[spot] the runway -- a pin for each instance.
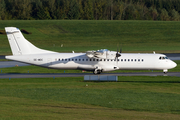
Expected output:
(57, 75)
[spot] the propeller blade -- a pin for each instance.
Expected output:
(118, 54)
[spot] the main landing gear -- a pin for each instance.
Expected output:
(97, 71)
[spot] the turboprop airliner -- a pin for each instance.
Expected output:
(97, 61)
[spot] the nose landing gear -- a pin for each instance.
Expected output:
(165, 71)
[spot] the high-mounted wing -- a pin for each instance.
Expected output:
(102, 54)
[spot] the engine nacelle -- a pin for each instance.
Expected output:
(103, 54)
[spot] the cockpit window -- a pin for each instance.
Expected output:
(163, 57)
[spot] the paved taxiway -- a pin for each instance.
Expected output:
(5, 64)
(55, 75)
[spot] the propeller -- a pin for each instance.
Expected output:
(118, 54)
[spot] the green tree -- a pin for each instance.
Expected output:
(122, 8)
(111, 10)
(43, 13)
(153, 13)
(26, 9)
(81, 9)
(174, 15)
(164, 15)
(21, 9)
(142, 10)
(36, 6)
(2, 10)
(52, 8)
(88, 10)
(65, 9)
(74, 10)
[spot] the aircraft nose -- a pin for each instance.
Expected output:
(173, 64)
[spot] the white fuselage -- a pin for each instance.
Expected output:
(81, 61)
(96, 61)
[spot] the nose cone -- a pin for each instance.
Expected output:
(173, 64)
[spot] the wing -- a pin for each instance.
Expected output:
(102, 54)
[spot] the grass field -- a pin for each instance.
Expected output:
(71, 98)
(81, 35)
(136, 98)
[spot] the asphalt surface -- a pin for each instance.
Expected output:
(57, 75)
(2, 57)
(6, 64)
(172, 54)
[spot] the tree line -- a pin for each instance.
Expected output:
(167, 10)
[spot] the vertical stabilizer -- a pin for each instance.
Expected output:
(19, 45)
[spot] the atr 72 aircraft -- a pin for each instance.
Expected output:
(97, 61)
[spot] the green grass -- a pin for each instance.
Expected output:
(71, 98)
(82, 35)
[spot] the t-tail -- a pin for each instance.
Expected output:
(19, 45)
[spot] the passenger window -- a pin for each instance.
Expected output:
(135, 60)
(124, 59)
(62, 59)
(128, 60)
(97, 59)
(93, 59)
(121, 59)
(86, 59)
(142, 60)
(131, 59)
(104, 59)
(75, 59)
(72, 59)
(139, 60)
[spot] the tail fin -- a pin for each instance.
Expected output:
(19, 45)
